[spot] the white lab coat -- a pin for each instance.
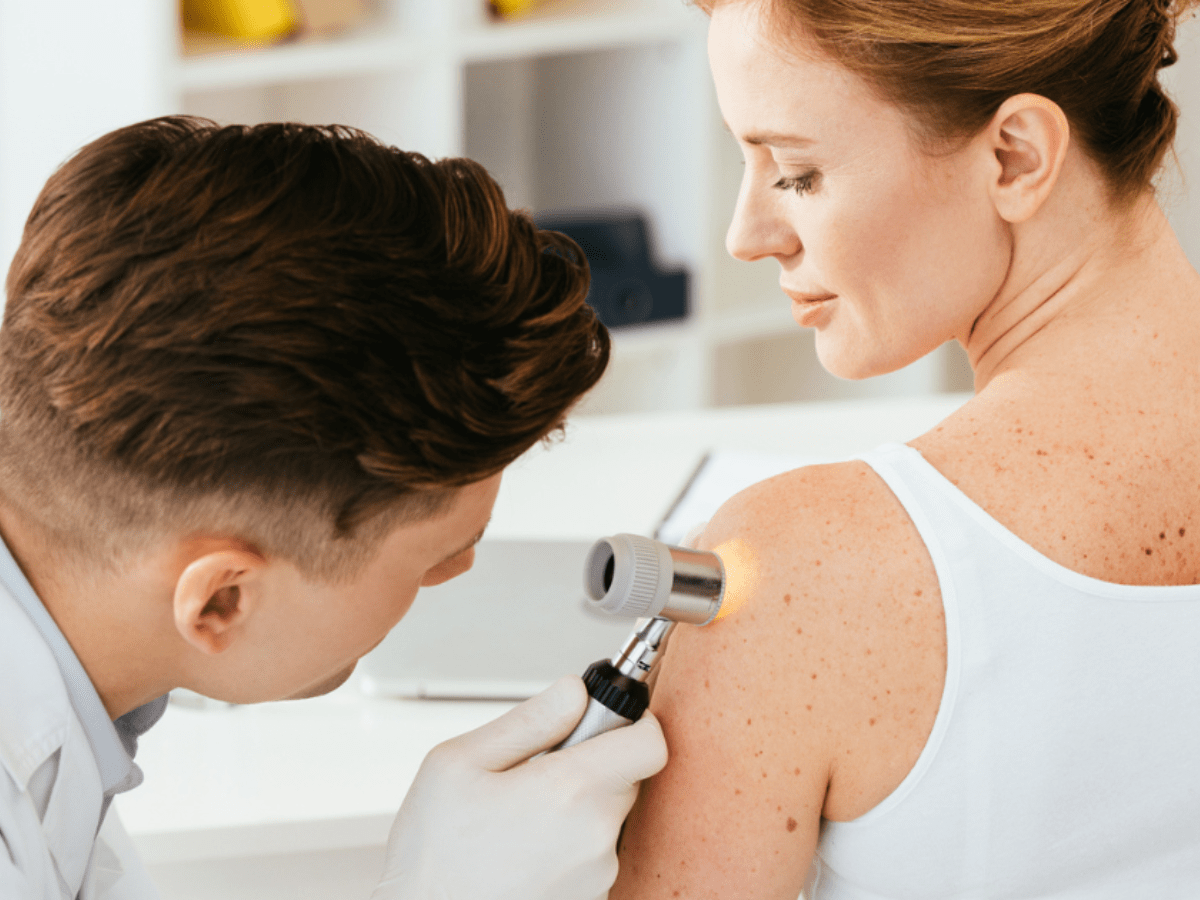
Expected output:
(58, 856)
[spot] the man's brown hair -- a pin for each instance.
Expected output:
(280, 330)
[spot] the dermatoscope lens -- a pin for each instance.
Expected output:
(633, 576)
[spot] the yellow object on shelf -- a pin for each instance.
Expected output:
(510, 9)
(248, 20)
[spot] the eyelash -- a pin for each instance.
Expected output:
(800, 184)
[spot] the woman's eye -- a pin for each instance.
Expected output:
(801, 184)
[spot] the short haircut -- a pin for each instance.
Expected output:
(291, 333)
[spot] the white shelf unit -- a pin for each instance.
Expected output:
(587, 104)
(584, 105)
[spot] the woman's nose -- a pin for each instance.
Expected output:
(759, 229)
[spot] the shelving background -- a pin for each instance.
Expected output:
(587, 104)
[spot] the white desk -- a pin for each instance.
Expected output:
(294, 800)
(620, 473)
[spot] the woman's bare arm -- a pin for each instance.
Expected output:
(816, 697)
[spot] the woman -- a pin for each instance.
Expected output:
(968, 668)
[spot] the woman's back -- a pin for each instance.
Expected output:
(1062, 759)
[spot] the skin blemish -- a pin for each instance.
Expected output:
(791, 824)
(1162, 535)
(871, 722)
(1182, 532)
(1148, 551)
(787, 598)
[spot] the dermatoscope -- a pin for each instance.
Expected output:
(661, 585)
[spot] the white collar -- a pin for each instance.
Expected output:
(113, 744)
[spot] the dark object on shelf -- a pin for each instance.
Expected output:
(627, 287)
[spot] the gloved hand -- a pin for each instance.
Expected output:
(484, 820)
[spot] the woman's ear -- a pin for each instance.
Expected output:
(214, 596)
(1028, 136)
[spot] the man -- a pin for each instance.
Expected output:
(257, 386)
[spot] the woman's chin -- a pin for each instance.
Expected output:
(846, 366)
(856, 363)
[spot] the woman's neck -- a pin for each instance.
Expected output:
(1081, 269)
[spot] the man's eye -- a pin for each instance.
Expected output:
(801, 184)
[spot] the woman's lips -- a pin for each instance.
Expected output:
(808, 309)
(803, 298)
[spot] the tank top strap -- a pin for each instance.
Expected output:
(941, 513)
(921, 491)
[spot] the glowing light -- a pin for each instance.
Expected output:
(741, 575)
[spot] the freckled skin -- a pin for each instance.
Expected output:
(864, 717)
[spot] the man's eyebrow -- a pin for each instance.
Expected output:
(774, 139)
(471, 543)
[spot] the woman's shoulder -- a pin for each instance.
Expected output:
(845, 595)
(814, 698)
(831, 529)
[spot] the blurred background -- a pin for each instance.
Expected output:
(597, 115)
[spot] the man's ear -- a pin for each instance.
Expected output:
(214, 596)
(1029, 136)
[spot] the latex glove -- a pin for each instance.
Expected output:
(485, 820)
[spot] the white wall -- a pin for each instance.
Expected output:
(71, 70)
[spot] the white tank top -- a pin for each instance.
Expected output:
(1064, 761)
